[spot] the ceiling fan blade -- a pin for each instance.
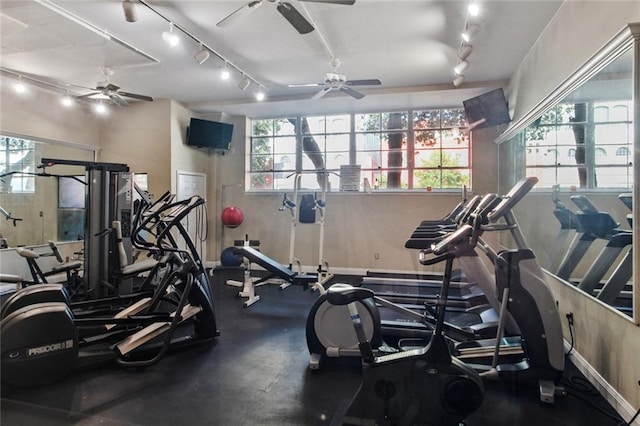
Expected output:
(353, 93)
(306, 85)
(239, 13)
(136, 96)
(295, 18)
(118, 100)
(345, 2)
(88, 95)
(322, 93)
(370, 82)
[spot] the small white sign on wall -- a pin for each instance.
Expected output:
(190, 184)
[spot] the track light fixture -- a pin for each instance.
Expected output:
(470, 32)
(19, 86)
(473, 9)
(170, 37)
(260, 95)
(201, 55)
(244, 83)
(465, 51)
(129, 9)
(225, 74)
(67, 100)
(459, 69)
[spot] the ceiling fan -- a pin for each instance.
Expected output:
(108, 91)
(335, 81)
(286, 9)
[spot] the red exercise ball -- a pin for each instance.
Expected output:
(232, 217)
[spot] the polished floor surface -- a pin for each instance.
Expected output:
(256, 373)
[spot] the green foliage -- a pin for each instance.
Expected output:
(260, 147)
(539, 129)
(440, 177)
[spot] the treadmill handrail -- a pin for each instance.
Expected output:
(516, 193)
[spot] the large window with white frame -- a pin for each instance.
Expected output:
(403, 150)
(17, 165)
(582, 145)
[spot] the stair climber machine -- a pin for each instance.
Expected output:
(45, 338)
(536, 355)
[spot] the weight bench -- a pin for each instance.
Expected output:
(275, 269)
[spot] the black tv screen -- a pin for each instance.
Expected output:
(209, 134)
(486, 110)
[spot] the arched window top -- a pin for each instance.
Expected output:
(622, 151)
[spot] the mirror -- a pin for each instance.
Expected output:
(40, 205)
(579, 222)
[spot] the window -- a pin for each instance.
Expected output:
(622, 151)
(597, 139)
(395, 150)
(17, 156)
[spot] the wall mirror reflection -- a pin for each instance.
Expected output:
(581, 150)
(40, 205)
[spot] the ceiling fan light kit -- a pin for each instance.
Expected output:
(335, 81)
(107, 91)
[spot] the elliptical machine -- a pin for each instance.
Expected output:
(425, 386)
(42, 342)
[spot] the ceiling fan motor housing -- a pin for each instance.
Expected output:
(333, 78)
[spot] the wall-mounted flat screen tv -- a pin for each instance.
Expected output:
(209, 134)
(486, 110)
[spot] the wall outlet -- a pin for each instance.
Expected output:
(376, 256)
(570, 318)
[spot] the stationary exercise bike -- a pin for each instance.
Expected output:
(425, 386)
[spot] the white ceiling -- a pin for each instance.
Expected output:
(410, 45)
